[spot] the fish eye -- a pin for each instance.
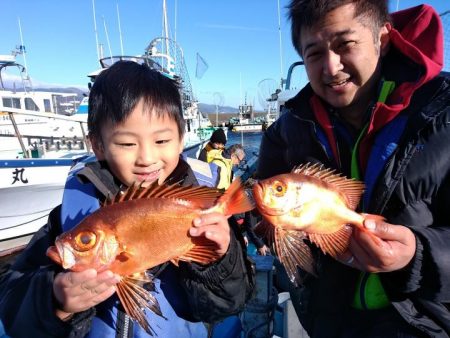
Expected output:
(279, 188)
(85, 240)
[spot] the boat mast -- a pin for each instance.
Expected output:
(107, 37)
(22, 50)
(120, 30)
(281, 49)
(166, 28)
(97, 47)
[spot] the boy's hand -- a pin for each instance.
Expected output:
(397, 249)
(213, 226)
(78, 291)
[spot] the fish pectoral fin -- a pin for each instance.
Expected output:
(203, 252)
(265, 230)
(334, 243)
(293, 252)
(135, 298)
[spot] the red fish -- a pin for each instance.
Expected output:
(310, 203)
(140, 229)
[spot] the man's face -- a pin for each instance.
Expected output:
(342, 59)
(142, 149)
(237, 157)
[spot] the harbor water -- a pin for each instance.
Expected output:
(249, 140)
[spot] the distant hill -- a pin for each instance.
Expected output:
(205, 108)
(211, 108)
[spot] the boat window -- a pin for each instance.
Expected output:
(30, 105)
(47, 106)
(11, 102)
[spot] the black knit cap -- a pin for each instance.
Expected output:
(218, 136)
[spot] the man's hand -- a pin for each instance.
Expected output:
(213, 226)
(395, 250)
(264, 251)
(78, 291)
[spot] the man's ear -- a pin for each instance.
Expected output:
(385, 39)
(97, 147)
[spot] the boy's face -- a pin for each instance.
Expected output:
(143, 148)
(341, 58)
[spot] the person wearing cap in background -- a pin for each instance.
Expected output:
(226, 159)
(214, 147)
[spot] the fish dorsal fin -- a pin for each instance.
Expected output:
(203, 197)
(294, 252)
(350, 188)
(135, 298)
(333, 244)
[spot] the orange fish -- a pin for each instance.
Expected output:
(310, 203)
(140, 229)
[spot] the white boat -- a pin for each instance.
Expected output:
(37, 145)
(245, 121)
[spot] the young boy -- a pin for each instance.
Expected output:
(136, 130)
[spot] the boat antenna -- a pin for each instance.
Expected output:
(107, 37)
(176, 16)
(22, 46)
(22, 50)
(120, 29)
(97, 47)
(281, 45)
(166, 28)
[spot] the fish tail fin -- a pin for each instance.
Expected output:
(134, 296)
(235, 200)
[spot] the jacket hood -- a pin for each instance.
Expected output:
(416, 57)
(418, 34)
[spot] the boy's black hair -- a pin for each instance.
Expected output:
(119, 88)
(305, 13)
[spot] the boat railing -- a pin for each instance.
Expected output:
(14, 112)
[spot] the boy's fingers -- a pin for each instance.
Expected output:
(71, 279)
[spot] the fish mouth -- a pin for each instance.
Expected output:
(53, 254)
(62, 254)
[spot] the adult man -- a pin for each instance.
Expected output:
(375, 109)
(225, 160)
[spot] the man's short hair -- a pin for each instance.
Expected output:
(305, 13)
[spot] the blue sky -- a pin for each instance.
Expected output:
(239, 39)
